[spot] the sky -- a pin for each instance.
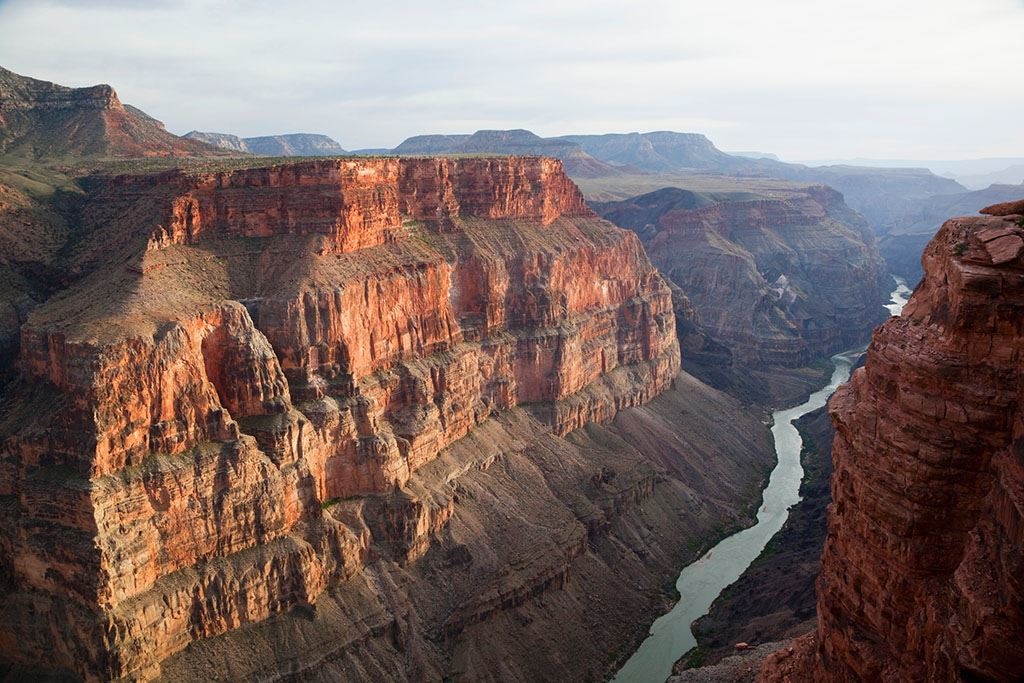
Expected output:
(804, 79)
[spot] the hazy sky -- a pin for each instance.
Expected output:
(801, 78)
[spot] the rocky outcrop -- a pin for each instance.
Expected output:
(776, 280)
(353, 204)
(43, 120)
(551, 563)
(248, 349)
(1012, 208)
(921, 573)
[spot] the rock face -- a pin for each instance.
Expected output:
(248, 349)
(44, 120)
(777, 280)
(546, 556)
(290, 145)
(922, 569)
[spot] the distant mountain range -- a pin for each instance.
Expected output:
(975, 174)
(902, 246)
(591, 155)
(1011, 175)
(290, 145)
(882, 195)
(577, 161)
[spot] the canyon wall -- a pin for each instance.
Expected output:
(225, 415)
(777, 280)
(547, 556)
(922, 568)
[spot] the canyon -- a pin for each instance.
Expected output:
(700, 585)
(774, 599)
(457, 414)
(921, 570)
(378, 413)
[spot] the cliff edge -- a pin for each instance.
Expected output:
(922, 573)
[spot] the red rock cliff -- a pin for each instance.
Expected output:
(923, 570)
(359, 203)
(266, 341)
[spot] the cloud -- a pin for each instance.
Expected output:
(801, 78)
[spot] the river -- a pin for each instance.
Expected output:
(899, 296)
(701, 582)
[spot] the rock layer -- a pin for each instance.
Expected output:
(922, 569)
(551, 562)
(778, 280)
(261, 344)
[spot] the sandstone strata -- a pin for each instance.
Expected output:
(248, 349)
(922, 569)
(549, 567)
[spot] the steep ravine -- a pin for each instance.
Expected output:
(774, 599)
(701, 582)
(778, 280)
